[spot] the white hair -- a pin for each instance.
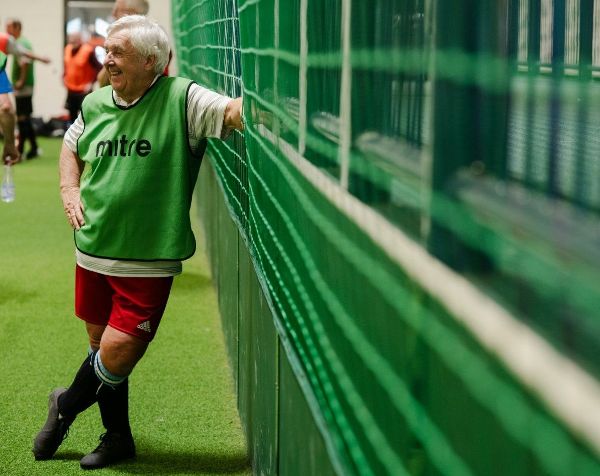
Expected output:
(146, 36)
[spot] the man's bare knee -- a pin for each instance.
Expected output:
(120, 352)
(6, 106)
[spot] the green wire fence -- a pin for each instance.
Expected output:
(418, 187)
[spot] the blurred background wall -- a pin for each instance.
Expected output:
(44, 25)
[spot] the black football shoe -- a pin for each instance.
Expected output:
(54, 431)
(113, 447)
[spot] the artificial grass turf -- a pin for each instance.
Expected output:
(182, 403)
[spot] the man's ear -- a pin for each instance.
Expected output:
(150, 62)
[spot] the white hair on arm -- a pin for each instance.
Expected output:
(146, 36)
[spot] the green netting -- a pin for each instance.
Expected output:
(419, 187)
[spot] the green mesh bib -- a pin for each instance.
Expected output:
(16, 67)
(140, 175)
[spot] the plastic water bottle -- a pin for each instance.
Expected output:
(8, 185)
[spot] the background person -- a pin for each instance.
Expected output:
(23, 81)
(129, 7)
(10, 153)
(80, 70)
(144, 138)
(9, 46)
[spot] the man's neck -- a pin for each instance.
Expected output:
(133, 98)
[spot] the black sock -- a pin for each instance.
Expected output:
(114, 407)
(28, 133)
(22, 135)
(82, 392)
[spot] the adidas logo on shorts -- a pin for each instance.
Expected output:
(145, 326)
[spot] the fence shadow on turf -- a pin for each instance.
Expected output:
(191, 281)
(174, 462)
(15, 293)
(177, 462)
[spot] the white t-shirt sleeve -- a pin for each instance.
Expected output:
(206, 110)
(15, 48)
(73, 133)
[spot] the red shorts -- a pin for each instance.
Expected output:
(131, 305)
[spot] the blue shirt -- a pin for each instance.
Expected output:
(5, 86)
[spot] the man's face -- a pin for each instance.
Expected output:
(128, 72)
(74, 39)
(12, 30)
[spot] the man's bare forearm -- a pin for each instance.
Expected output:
(22, 75)
(34, 57)
(70, 168)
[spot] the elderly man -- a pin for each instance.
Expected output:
(142, 139)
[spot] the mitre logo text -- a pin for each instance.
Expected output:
(123, 147)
